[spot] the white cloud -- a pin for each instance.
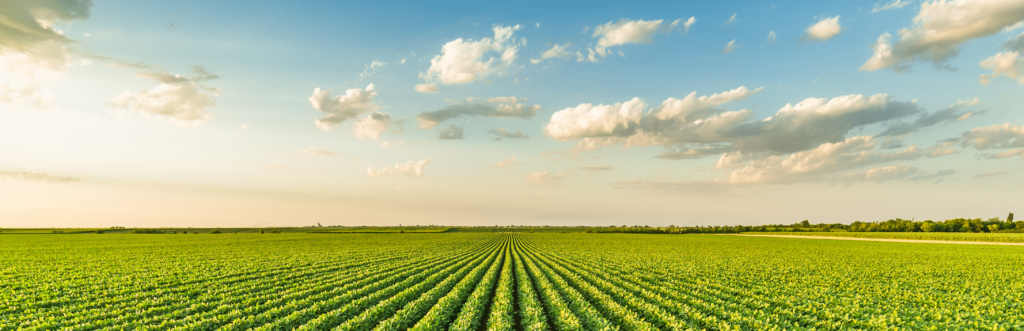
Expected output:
(995, 137)
(181, 99)
(507, 162)
(940, 27)
(695, 127)
(627, 31)
(37, 177)
(729, 47)
(463, 61)
(31, 47)
(689, 22)
(340, 108)
(732, 20)
(372, 69)
(1009, 64)
(372, 125)
(556, 51)
(411, 168)
(894, 4)
(315, 151)
(817, 164)
(501, 107)
(546, 178)
(452, 132)
(27, 94)
(587, 120)
(824, 30)
(426, 88)
(771, 36)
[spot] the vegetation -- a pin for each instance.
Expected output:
(503, 281)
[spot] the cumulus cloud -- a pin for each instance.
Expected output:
(502, 107)
(451, 132)
(372, 125)
(824, 30)
(337, 109)
(939, 29)
(507, 162)
(182, 99)
(812, 165)
(411, 168)
(730, 46)
(315, 151)
(1009, 64)
(998, 136)
(546, 178)
(694, 127)
(894, 4)
(587, 120)
(506, 133)
(37, 176)
(463, 61)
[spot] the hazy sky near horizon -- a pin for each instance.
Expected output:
(258, 113)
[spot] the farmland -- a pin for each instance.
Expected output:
(501, 281)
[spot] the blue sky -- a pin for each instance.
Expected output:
(150, 114)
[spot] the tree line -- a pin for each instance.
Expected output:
(973, 225)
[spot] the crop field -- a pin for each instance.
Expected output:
(502, 281)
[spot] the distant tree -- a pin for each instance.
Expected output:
(261, 231)
(805, 224)
(1009, 218)
(927, 227)
(215, 231)
(993, 228)
(99, 231)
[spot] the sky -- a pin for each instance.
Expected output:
(260, 113)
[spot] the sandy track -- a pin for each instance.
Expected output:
(890, 240)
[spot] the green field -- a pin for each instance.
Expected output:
(504, 281)
(946, 236)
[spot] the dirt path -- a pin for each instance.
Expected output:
(890, 240)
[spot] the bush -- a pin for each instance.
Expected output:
(99, 231)
(261, 231)
(215, 231)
